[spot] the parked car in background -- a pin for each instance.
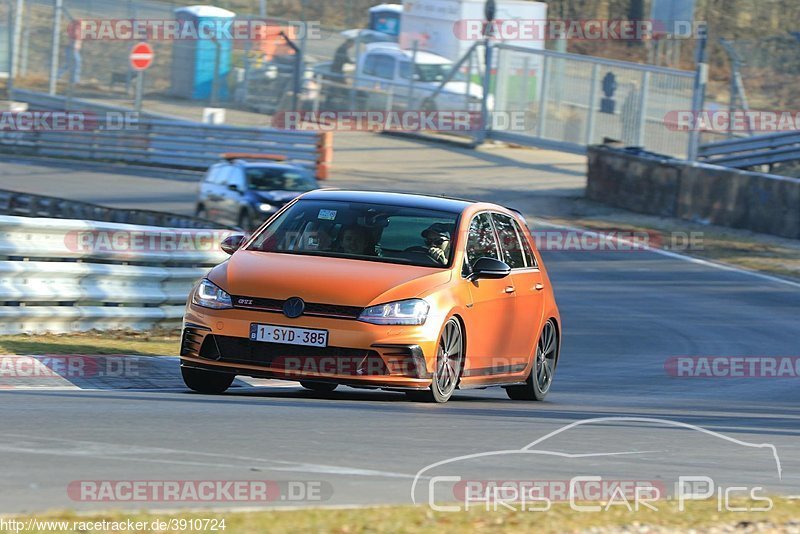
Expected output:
(387, 68)
(244, 190)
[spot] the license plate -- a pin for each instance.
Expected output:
(268, 333)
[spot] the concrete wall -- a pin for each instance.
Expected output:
(695, 192)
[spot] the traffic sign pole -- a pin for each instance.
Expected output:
(141, 58)
(139, 89)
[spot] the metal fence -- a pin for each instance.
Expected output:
(99, 68)
(575, 100)
(565, 97)
(62, 276)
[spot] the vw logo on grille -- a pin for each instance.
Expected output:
(294, 307)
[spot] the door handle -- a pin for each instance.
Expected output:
(510, 289)
(538, 287)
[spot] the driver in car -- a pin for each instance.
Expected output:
(437, 242)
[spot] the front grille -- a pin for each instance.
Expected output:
(313, 309)
(324, 360)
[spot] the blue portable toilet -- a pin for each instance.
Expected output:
(386, 18)
(193, 60)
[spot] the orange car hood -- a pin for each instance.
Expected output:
(323, 280)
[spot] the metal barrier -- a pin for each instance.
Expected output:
(64, 275)
(752, 151)
(28, 205)
(120, 136)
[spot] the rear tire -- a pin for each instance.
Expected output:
(207, 382)
(319, 387)
(539, 381)
(449, 362)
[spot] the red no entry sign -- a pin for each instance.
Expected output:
(142, 56)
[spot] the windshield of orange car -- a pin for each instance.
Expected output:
(362, 231)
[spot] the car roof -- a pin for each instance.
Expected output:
(392, 49)
(408, 200)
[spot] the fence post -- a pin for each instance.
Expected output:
(483, 132)
(410, 103)
(643, 109)
(15, 43)
(543, 97)
(55, 51)
(592, 100)
(698, 97)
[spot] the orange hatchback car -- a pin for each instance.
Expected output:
(409, 293)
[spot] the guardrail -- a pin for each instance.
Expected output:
(157, 140)
(753, 151)
(68, 275)
(28, 205)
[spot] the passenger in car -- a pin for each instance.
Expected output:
(356, 240)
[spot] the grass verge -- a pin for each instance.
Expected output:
(158, 343)
(698, 516)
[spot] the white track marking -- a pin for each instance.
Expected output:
(670, 254)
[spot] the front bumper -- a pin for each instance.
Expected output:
(358, 353)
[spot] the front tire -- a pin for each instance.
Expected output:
(319, 387)
(449, 362)
(206, 382)
(539, 381)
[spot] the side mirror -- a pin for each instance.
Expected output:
(489, 269)
(234, 187)
(232, 243)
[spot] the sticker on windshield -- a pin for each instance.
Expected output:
(327, 215)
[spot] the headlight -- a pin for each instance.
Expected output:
(209, 295)
(404, 312)
(266, 208)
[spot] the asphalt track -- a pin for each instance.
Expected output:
(624, 315)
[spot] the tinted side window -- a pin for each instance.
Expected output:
(530, 259)
(221, 177)
(236, 177)
(215, 174)
(369, 65)
(509, 241)
(384, 67)
(481, 242)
